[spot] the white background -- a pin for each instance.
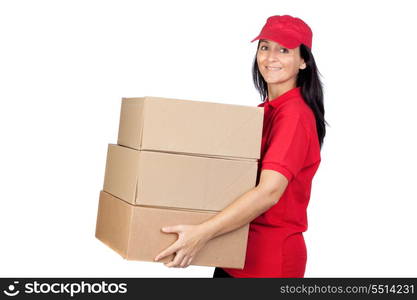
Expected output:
(65, 65)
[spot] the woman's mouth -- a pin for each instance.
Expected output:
(273, 68)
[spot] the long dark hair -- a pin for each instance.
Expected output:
(308, 80)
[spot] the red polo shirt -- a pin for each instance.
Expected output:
(289, 146)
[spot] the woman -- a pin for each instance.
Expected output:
(286, 76)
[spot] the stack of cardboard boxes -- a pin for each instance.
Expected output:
(178, 162)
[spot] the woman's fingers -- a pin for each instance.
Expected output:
(184, 262)
(189, 261)
(171, 249)
(179, 256)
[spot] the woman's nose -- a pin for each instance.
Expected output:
(273, 56)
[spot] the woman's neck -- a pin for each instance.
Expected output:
(276, 90)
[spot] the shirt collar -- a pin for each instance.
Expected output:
(292, 93)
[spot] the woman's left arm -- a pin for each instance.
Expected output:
(192, 238)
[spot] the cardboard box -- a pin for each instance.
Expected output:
(191, 127)
(176, 180)
(135, 233)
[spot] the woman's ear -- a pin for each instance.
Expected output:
(303, 65)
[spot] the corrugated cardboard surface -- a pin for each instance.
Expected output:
(175, 125)
(131, 123)
(176, 180)
(135, 233)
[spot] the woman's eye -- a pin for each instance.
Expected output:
(282, 50)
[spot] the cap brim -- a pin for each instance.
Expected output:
(280, 39)
(257, 38)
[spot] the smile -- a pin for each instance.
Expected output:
(273, 68)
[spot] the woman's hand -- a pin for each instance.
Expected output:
(191, 238)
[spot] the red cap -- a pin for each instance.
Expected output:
(287, 31)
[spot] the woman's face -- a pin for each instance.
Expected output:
(277, 64)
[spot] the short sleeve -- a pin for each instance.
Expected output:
(287, 145)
